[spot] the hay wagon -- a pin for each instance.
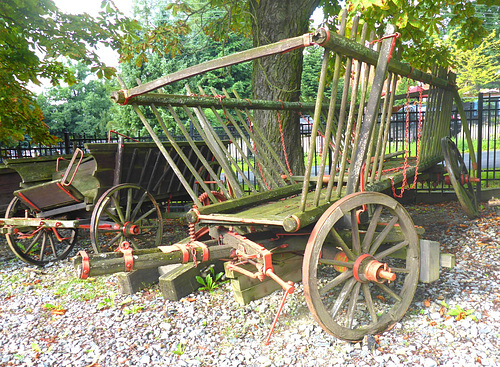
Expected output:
(117, 191)
(357, 247)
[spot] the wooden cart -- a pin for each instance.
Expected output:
(116, 191)
(358, 247)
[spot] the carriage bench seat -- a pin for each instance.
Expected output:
(67, 187)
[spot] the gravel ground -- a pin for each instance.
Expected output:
(49, 318)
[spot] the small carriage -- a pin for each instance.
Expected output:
(117, 191)
(358, 247)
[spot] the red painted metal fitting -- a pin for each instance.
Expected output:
(375, 271)
(127, 255)
(131, 229)
(367, 269)
(85, 265)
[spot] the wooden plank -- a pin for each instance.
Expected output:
(429, 261)
(371, 114)
(245, 201)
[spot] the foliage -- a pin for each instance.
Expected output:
(478, 66)
(34, 35)
(82, 108)
(209, 283)
(179, 349)
(107, 302)
(192, 49)
(419, 25)
(459, 313)
(311, 69)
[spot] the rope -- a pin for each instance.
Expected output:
(394, 37)
(407, 148)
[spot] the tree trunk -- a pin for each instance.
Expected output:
(278, 77)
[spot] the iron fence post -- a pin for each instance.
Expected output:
(479, 143)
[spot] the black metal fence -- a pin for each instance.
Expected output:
(483, 117)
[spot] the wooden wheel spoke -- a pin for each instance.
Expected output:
(382, 235)
(369, 302)
(112, 216)
(145, 215)
(356, 247)
(381, 255)
(114, 239)
(340, 242)
(42, 247)
(118, 209)
(335, 282)
(352, 305)
(129, 204)
(34, 241)
(371, 229)
(389, 291)
(336, 263)
(52, 245)
(134, 244)
(138, 206)
(344, 293)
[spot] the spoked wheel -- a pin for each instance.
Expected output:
(34, 245)
(363, 283)
(126, 212)
(459, 177)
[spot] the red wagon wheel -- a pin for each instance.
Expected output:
(37, 246)
(362, 283)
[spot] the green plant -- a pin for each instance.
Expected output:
(209, 283)
(459, 313)
(180, 349)
(36, 347)
(132, 310)
(107, 302)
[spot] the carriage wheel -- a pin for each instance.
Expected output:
(37, 246)
(459, 177)
(363, 285)
(126, 212)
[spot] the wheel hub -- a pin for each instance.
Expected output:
(131, 229)
(368, 269)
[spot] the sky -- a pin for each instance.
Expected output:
(92, 7)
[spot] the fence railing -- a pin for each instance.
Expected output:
(483, 117)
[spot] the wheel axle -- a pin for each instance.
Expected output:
(368, 269)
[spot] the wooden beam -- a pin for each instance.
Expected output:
(248, 55)
(349, 48)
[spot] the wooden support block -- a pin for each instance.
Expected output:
(246, 289)
(494, 203)
(429, 261)
(178, 281)
(134, 281)
(447, 261)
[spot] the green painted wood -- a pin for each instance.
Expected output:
(347, 47)
(245, 201)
